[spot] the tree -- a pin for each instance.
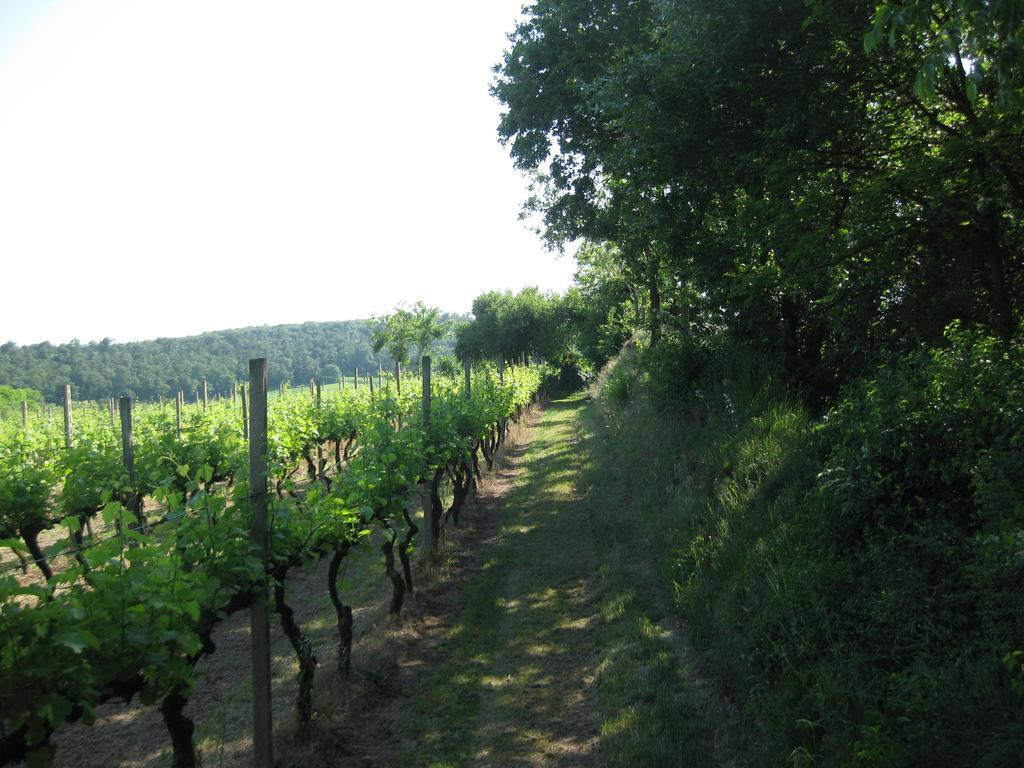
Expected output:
(429, 327)
(394, 334)
(826, 180)
(507, 325)
(331, 372)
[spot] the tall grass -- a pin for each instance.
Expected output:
(864, 606)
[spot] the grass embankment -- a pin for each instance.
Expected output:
(852, 581)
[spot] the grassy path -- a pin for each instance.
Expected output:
(565, 652)
(549, 641)
(517, 686)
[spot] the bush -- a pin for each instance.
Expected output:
(920, 506)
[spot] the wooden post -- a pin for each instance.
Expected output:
(398, 378)
(262, 724)
(234, 393)
(245, 414)
(341, 381)
(426, 392)
(282, 388)
(428, 517)
(501, 370)
(467, 370)
(24, 413)
(178, 402)
(355, 379)
(128, 456)
(67, 415)
(319, 390)
(110, 405)
(312, 389)
(206, 395)
(370, 379)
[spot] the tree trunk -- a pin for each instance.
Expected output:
(303, 651)
(403, 549)
(181, 728)
(30, 535)
(397, 582)
(343, 612)
(653, 266)
(436, 508)
(1005, 323)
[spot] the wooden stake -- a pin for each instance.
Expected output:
(133, 502)
(429, 523)
(398, 377)
(262, 723)
(178, 401)
(24, 413)
(245, 414)
(206, 395)
(67, 415)
(426, 392)
(467, 368)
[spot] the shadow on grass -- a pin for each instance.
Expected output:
(514, 686)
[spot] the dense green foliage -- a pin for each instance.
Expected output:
(855, 581)
(825, 180)
(151, 369)
(858, 592)
(813, 212)
(11, 399)
(404, 332)
(530, 325)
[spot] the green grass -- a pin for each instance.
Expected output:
(659, 709)
(564, 649)
(497, 693)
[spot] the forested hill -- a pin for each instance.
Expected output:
(148, 369)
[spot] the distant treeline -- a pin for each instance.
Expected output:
(151, 369)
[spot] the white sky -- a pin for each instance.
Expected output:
(174, 166)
